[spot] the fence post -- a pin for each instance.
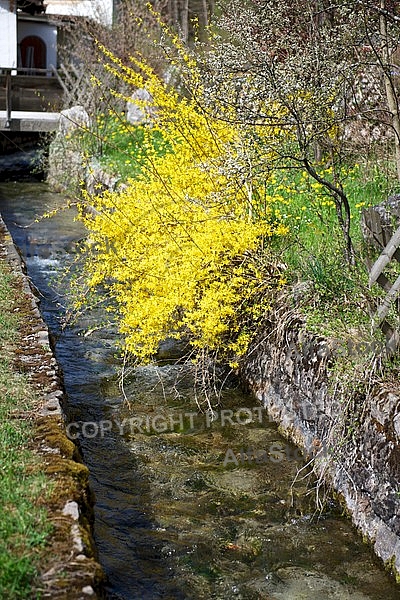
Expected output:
(376, 275)
(8, 98)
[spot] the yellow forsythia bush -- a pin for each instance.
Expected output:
(174, 250)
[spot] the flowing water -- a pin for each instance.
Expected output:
(186, 507)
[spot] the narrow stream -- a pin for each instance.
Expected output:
(186, 507)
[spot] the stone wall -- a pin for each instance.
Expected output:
(68, 170)
(15, 141)
(70, 570)
(351, 438)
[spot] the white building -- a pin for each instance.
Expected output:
(8, 34)
(98, 10)
(36, 43)
(28, 35)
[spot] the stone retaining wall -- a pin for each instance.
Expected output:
(71, 571)
(353, 442)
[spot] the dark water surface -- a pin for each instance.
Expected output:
(186, 507)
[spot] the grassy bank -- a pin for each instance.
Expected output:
(339, 301)
(24, 526)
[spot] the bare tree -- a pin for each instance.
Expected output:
(296, 66)
(385, 55)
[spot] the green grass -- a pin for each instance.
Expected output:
(120, 147)
(308, 210)
(24, 527)
(313, 250)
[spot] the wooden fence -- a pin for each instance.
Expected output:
(377, 232)
(42, 90)
(39, 90)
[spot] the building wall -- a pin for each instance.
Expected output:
(8, 36)
(98, 10)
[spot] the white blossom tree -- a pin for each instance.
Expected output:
(299, 67)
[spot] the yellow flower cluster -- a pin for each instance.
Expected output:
(175, 249)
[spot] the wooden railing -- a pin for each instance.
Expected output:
(378, 234)
(30, 90)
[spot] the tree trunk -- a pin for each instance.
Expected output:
(389, 86)
(174, 12)
(342, 209)
(205, 13)
(185, 21)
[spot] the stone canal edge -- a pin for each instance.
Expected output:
(70, 570)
